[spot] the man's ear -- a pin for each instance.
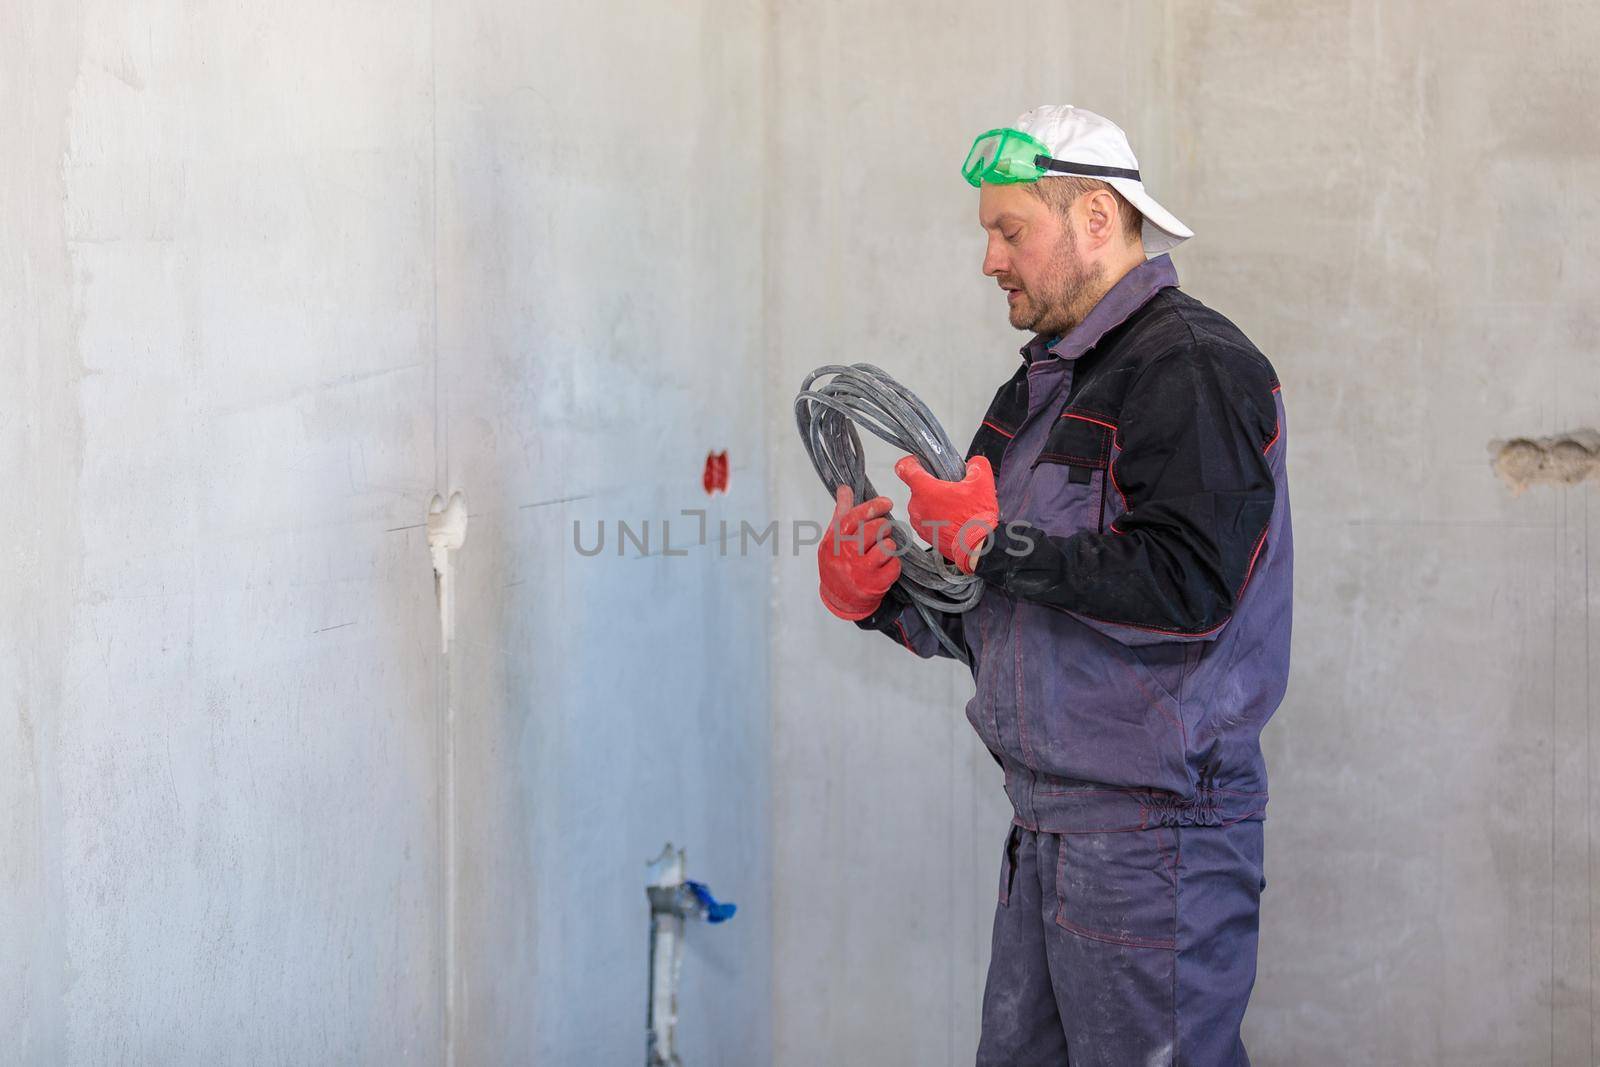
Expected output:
(1100, 222)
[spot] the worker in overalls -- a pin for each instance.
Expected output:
(1126, 505)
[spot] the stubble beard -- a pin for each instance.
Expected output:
(1057, 303)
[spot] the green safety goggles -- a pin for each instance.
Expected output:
(1006, 156)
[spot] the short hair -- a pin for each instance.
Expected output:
(1060, 192)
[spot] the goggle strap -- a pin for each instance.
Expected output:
(1084, 170)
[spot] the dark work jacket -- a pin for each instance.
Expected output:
(1133, 636)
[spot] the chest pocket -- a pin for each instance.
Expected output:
(1068, 488)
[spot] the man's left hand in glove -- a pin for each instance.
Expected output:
(954, 517)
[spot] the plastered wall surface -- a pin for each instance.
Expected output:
(216, 290)
(600, 332)
(1395, 202)
(270, 278)
(1435, 769)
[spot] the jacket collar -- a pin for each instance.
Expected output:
(1130, 294)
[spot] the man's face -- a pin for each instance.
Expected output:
(1033, 254)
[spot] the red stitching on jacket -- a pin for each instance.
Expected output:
(898, 625)
(1111, 469)
(1260, 543)
(1092, 411)
(1152, 629)
(998, 430)
(1277, 428)
(1081, 461)
(1084, 418)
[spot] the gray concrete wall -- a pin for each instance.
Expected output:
(600, 265)
(269, 278)
(1396, 202)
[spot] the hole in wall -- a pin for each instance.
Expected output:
(1565, 459)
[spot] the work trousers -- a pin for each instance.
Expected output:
(1123, 949)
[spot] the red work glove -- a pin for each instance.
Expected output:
(954, 517)
(856, 569)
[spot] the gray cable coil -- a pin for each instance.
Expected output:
(864, 395)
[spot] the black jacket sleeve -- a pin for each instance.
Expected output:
(1194, 431)
(898, 618)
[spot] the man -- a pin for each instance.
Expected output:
(1126, 506)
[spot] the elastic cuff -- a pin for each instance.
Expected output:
(993, 566)
(843, 611)
(888, 613)
(975, 530)
(1000, 556)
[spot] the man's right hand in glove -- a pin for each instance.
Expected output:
(854, 556)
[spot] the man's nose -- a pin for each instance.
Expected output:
(994, 258)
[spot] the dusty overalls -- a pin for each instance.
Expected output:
(1131, 642)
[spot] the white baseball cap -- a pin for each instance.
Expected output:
(1075, 135)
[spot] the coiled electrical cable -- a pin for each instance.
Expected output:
(865, 396)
